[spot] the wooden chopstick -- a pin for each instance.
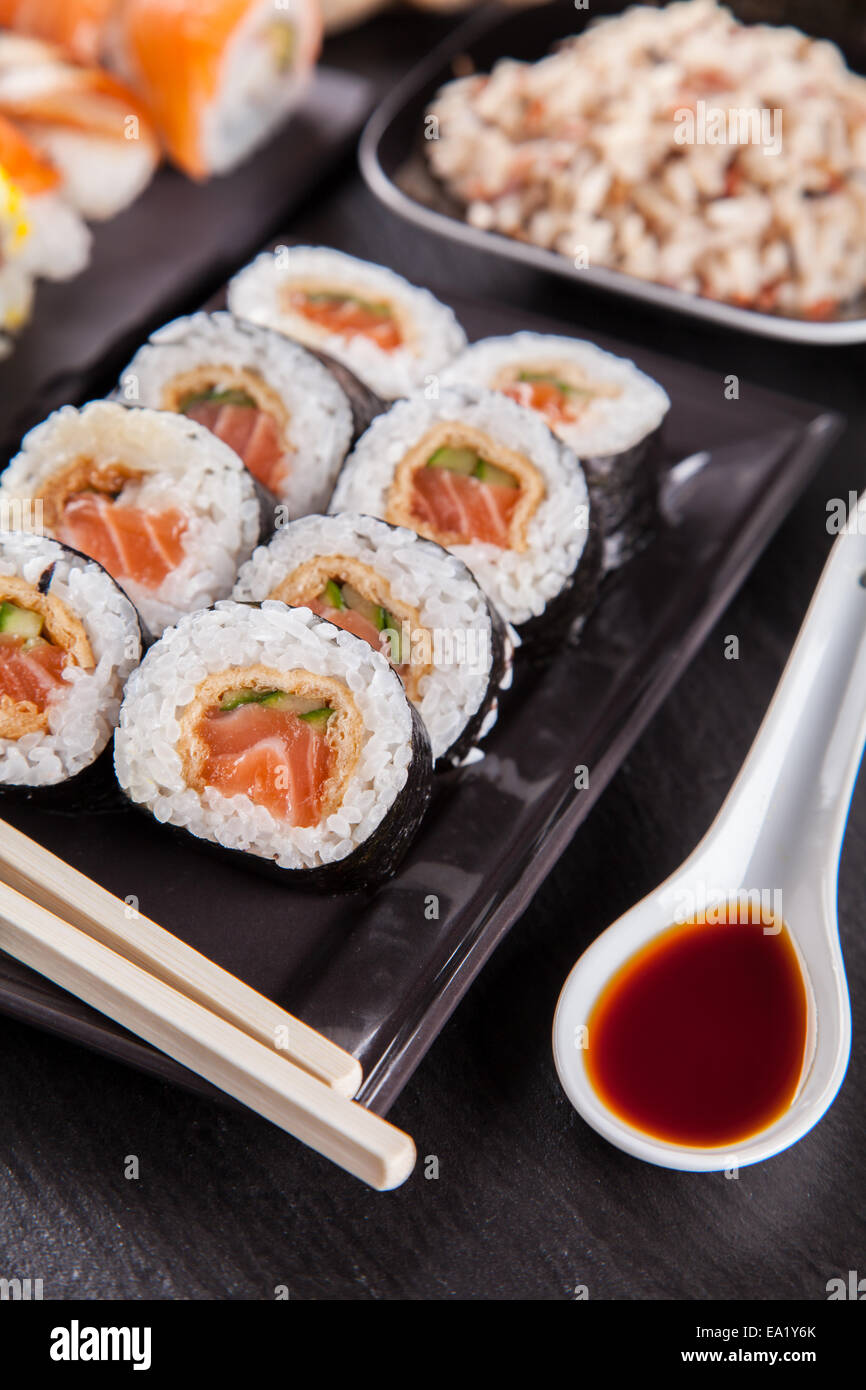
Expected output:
(71, 896)
(352, 1137)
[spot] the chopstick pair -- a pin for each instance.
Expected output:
(63, 925)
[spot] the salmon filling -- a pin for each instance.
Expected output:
(456, 486)
(561, 393)
(39, 637)
(291, 750)
(240, 409)
(351, 594)
(82, 509)
(346, 314)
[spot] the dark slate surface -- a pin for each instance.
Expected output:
(529, 1202)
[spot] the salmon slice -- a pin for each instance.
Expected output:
(546, 397)
(28, 169)
(130, 543)
(274, 757)
(30, 676)
(350, 620)
(349, 317)
(463, 507)
(253, 434)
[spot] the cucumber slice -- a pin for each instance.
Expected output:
(20, 622)
(566, 388)
(489, 473)
(271, 699)
(394, 628)
(380, 309)
(317, 718)
(234, 698)
(214, 396)
(457, 460)
(373, 612)
(333, 595)
(282, 42)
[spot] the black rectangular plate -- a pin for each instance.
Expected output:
(378, 973)
(394, 165)
(166, 253)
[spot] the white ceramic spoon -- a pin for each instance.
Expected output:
(780, 828)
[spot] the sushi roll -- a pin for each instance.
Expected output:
(389, 333)
(69, 637)
(218, 76)
(58, 246)
(272, 733)
(270, 400)
(604, 408)
(163, 505)
(485, 477)
(409, 599)
(85, 122)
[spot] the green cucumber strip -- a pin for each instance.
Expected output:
(317, 718)
(394, 629)
(455, 459)
(20, 622)
(566, 387)
(333, 595)
(281, 37)
(214, 396)
(373, 612)
(379, 308)
(489, 473)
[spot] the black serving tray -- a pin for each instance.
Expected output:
(393, 161)
(166, 253)
(379, 973)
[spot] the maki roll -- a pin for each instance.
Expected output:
(607, 410)
(164, 506)
(69, 638)
(269, 731)
(389, 333)
(218, 76)
(269, 399)
(485, 478)
(409, 599)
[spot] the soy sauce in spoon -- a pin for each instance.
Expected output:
(700, 1037)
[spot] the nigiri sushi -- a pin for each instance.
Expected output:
(59, 243)
(16, 281)
(87, 124)
(78, 26)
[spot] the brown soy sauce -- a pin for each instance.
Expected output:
(699, 1039)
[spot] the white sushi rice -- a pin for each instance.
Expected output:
(421, 574)
(183, 466)
(434, 335)
(149, 767)
(320, 416)
(519, 583)
(608, 424)
(82, 718)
